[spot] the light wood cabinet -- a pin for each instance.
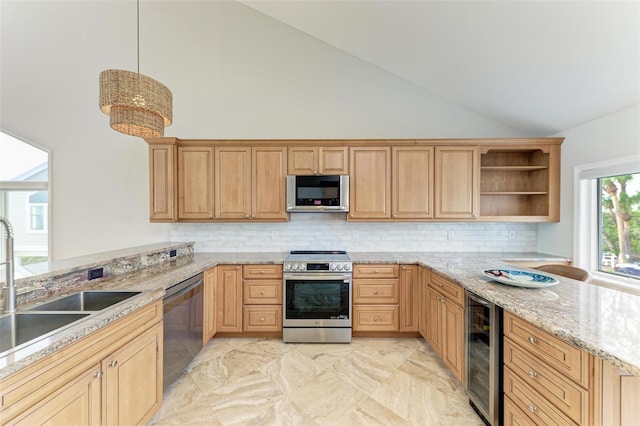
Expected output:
(77, 403)
(409, 298)
(111, 376)
(384, 297)
(262, 300)
(162, 182)
(229, 299)
(370, 183)
(250, 183)
(546, 378)
(423, 295)
(412, 182)
(456, 182)
(133, 380)
(209, 305)
(195, 183)
(233, 183)
(318, 160)
(620, 396)
(445, 328)
(520, 183)
(268, 183)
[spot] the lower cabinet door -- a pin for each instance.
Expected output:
(133, 380)
(513, 416)
(77, 403)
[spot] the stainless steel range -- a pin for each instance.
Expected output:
(317, 297)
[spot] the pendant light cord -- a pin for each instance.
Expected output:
(138, 33)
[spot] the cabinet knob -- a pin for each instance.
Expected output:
(377, 271)
(532, 340)
(532, 408)
(248, 216)
(375, 318)
(97, 374)
(395, 215)
(262, 319)
(375, 291)
(237, 268)
(210, 216)
(475, 216)
(533, 374)
(261, 292)
(113, 363)
(262, 272)
(440, 285)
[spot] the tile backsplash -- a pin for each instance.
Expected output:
(331, 231)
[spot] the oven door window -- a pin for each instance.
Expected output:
(325, 299)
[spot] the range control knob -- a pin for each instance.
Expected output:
(340, 267)
(287, 267)
(332, 266)
(347, 267)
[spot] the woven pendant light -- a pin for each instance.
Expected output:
(137, 105)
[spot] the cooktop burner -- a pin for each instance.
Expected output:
(317, 260)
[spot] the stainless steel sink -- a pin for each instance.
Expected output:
(19, 328)
(86, 301)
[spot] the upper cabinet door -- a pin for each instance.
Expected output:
(412, 182)
(303, 161)
(333, 161)
(268, 183)
(195, 182)
(370, 183)
(233, 183)
(162, 194)
(457, 182)
(318, 161)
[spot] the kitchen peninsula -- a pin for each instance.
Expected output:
(591, 318)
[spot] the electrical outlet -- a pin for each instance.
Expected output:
(95, 273)
(512, 235)
(274, 235)
(172, 253)
(450, 235)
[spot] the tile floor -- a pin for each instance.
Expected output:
(266, 382)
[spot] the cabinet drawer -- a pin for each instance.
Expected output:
(262, 318)
(513, 416)
(567, 396)
(563, 357)
(261, 271)
(262, 292)
(375, 318)
(450, 290)
(529, 401)
(376, 271)
(367, 291)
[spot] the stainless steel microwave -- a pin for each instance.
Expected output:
(318, 193)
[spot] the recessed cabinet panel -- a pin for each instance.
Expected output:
(162, 181)
(412, 182)
(370, 181)
(233, 183)
(195, 182)
(457, 182)
(269, 183)
(334, 161)
(303, 161)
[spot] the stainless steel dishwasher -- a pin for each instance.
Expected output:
(183, 315)
(483, 331)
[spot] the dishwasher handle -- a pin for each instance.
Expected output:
(183, 287)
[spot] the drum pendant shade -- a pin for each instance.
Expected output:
(138, 105)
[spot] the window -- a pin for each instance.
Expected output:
(24, 201)
(619, 225)
(607, 222)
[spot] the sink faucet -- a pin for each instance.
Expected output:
(10, 303)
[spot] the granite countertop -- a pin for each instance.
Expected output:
(601, 321)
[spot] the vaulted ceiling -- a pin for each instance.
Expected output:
(539, 66)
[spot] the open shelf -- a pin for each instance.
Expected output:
(515, 184)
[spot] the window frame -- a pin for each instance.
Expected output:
(586, 210)
(45, 218)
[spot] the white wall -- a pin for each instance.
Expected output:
(234, 73)
(611, 137)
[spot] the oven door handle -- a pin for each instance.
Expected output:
(317, 277)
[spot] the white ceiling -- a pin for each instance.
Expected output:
(539, 66)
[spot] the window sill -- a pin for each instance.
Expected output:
(627, 285)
